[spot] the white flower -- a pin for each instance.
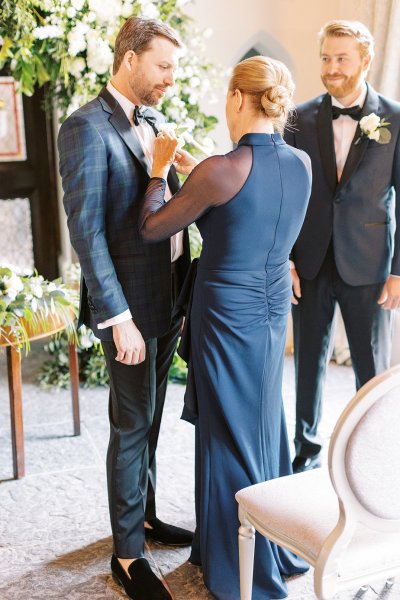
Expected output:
(34, 304)
(99, 54)
(91, 17)
(374, 128)
(150, 10)
(194, 81)
(208, 144)
(12, 285)
(176, 101)
(47, 31)
(106, 10)
(370, 123)
(189, 72)
(167, 127)
(37, 290)
(193, 98)
(190, 123)
(71, 12)
(374, 135)
(51, 287)
(77, 4)
(126, 11)
(76, 39)
(76, 66)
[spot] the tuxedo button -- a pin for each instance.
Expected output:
(338, 198)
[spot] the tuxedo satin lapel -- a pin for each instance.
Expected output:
(326, 141)
(356, 152)
(119, 121)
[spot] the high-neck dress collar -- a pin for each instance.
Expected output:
(260, 139)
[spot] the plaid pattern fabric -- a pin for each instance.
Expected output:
(104, 178)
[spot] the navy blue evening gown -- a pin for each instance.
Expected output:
(249, 206)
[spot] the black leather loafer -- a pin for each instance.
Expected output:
(167, 534)
(301, 464)
(143, 584)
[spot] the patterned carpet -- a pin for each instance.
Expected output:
(54, 530)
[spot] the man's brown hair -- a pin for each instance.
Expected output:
(354, 29)
(137, 34)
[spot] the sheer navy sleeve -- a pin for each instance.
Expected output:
(214, 181)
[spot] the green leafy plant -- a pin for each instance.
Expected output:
(68, 45)
(31, 305)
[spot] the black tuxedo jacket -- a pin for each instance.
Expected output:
(360, 212)
(105, 175)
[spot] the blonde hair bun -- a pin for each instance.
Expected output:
(276, 102)
(269, 84)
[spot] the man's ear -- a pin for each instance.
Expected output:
(130, 60)
(367, 62)
(238, 100)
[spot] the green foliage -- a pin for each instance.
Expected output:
(29, 304)
(68, 45)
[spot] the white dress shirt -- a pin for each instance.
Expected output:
(344, 129)
(145, 135)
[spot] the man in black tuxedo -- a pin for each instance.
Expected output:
(129, 288)
(348, 250)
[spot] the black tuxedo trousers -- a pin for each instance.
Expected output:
(136, 402)
(368, 331)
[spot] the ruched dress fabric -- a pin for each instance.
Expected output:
(249, 206)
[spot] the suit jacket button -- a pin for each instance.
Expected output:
(338, 199)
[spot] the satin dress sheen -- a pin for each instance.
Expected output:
(249, 206)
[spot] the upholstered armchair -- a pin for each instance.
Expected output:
(344, 520)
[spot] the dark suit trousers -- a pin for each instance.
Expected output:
(137, 395)
(368, 332)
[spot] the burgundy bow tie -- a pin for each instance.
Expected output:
(353, 111)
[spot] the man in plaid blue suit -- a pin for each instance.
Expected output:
(129, 288)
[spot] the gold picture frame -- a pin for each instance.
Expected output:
(12, 126)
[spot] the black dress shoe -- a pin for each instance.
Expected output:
(143, 584)
(167, 534)
(301, 464)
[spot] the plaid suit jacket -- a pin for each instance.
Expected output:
(104, 176)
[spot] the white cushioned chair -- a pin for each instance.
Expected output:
(344, 520)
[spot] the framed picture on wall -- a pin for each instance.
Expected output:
(12, 130)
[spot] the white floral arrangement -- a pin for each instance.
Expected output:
(375, 128)
(69, 44)
(29, 303)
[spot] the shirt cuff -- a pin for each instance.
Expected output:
(396, 276)
(125, 316)
(291, 264)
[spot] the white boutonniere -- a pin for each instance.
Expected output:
(184, 136)
(375, 128)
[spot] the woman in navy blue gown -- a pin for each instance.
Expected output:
(249, 206)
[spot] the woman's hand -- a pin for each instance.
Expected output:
(165, 146)
(184, 162)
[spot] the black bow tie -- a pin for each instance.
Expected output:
(353, 111)
(139, 115)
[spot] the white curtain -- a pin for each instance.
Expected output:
(383, 19)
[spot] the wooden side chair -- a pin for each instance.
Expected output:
(343, 520)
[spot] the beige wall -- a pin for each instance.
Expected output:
(287, 29)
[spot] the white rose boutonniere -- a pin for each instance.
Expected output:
(375, 128)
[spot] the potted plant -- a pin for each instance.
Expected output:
(32, 307)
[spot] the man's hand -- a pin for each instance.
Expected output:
(390, 296)
(184, 162)
(295, 285)
(130, 344)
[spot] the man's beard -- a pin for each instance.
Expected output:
(147, 96)
(349, 84)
